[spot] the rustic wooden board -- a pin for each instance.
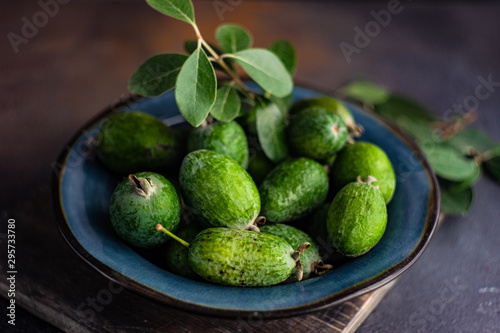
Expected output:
(54, 284)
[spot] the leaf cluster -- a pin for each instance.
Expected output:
(199, 93)
(457, 153)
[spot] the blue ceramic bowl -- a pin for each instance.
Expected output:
(83, 188)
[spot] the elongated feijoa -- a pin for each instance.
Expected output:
(219, 190)
(317, 134)
(364, 159)
(135, 141)
(357, 218)
(141, 201)
(226, 138)
(310, 259)
(293, 189)
(242, 257)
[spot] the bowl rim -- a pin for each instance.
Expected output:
(375, 282)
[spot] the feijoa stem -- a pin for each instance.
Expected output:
(220, 61)
(300, 271)
(159, 227)
(321, 268)
(296, 256)
(369, 180)
(254, 225)
(143, 186)
(355, 130)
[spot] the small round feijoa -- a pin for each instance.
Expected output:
(293, 189)
(310, 259)
(227, 138)
(134, 141)
(218, 189)
(241, 257)
(357, 218)
(364, 159)
(317, 134)
(141, 201)
(332, 105)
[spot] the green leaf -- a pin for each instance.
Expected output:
(266, 69)
(285, 51)
(492, 166)
(365, 92)
(157, 75)
(196, 88)
(470, 140)
(455, 202)
(460, 186)
(419, 130)
(270, 124)
(492, 152)
(227, 105)
(233, 38)
(395, 107)
(191, 45)
(179, 9)
(447, 162)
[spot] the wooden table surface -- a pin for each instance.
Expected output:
(64, 72)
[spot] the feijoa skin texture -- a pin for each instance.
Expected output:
(332, 105)
(135, 141)
(140, 202)
(293, 189)
(295, 237)
(364, 159)
(177, 255)
(241, 257)
(317, 134)
(218, 190)
(226, 138)
(357, 219)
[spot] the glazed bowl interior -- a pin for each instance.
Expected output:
(83, 187)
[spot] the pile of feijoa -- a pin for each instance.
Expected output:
(221, 214)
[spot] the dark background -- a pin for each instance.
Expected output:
(81, 60)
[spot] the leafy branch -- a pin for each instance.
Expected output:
(456, 152)
(196, 86)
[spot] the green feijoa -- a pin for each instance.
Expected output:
(135, 141)
(357, 218)
(177, 255)
(293, 189)
(317, 134)
(364, 159)
(241, 257)
(310, 259)
(332, 105)
(141, 201)
(219, 191)
(225, 138)
(259, 166)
